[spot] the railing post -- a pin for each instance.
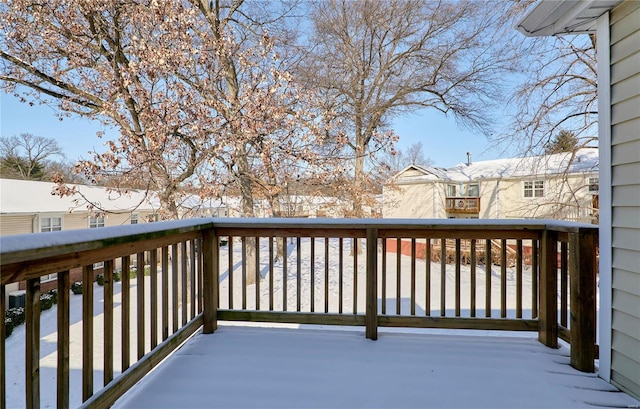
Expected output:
(582, 270)
(371, 314)
(210, 280)
(32, 381)
(548, 318)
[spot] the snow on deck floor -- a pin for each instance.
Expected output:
(296, 368)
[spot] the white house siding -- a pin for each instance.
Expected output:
(410, 201)
(625, 162)
(16, 224)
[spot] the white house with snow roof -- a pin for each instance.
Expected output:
(559, 186)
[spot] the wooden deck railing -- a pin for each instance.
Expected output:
(371, 273)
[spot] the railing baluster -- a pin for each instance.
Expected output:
(140, 303)
(298, 276)
(32, 372)
(125, 339)
(312, 272)
(340, 273)
(107, 357)
(153, 308)
(192, 275)
(413, 276)
(427, 279)
(519, 279)
(488, 262)
(230, 275)
(443, 277)
(284, 274)
(503, 278)
(270, 273)
(244, 272)
(165, 293)
(326, 274)
(357, 243)
(184, 283)
(564, 284)
(398, 274)
(472, 306)
(201, 274)
(384, 277)
(535, 284)
(63, 339)
(174, 287)
(87, 332)
(3, 336)
(258, 275)
(371, 312)
(457, 284)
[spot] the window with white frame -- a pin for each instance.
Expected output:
(96, 221)
(451, 190)
(50, 223)
(533, 188)
(48, 277)
(134, 218)
(473, 190)
(594, 185)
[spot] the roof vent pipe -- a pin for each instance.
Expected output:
(468, 158)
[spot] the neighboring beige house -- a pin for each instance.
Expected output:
(560, 186)
(30, 207)
(617, 28)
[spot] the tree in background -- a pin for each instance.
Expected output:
(373, 60)
(28, 156)
(565, 141)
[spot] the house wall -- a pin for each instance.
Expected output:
(625, 195)
(16, 224)
(410, 201)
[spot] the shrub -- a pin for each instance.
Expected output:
(100, 279)
(133, 273)
(117, 276)
(147, 270)
(76, 287)
(8, 326)
(46, 302)
(54, 295)
(16, 314)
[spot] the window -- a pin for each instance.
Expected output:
(48, 277)
(534, 188)
(594, 185)
(96, 221)
(50, 224)
(451, 190)
(473, 190)
(134, 218)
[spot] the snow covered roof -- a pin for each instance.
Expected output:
(585, 160)
(553, 17)
(28, 196)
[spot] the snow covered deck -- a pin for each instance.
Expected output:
(255, 367)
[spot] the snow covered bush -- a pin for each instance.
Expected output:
(8, 326)
(100, 279)
(16, 314)
(54, 295)
(46, 301)
(76, 287)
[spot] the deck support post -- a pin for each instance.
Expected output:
(371, 317)
(582, 324)
(210, 274)
(548, 318)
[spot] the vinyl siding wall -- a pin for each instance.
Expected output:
(16, 224)
(625, 162)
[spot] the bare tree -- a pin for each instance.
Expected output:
(376, 59)
(27, 156)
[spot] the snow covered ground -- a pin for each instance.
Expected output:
(342, 345)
